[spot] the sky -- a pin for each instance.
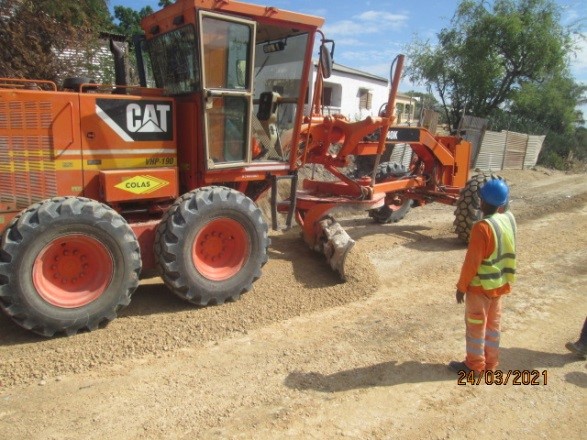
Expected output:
(369, 34)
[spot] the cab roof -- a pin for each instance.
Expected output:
(182, 11)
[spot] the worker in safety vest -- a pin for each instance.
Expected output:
(487, 272)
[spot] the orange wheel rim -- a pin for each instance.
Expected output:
(220, 249)
(72, 271)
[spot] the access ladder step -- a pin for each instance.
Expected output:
(287, 205)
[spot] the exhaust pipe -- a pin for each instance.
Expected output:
(119, 66)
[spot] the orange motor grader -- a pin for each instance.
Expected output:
(103, 184)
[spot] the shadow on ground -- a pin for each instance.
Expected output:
(391, 373)
(384, 374)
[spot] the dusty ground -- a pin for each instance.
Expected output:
(303, 356)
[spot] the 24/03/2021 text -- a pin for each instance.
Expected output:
(499, 377)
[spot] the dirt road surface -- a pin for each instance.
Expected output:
(303, 356)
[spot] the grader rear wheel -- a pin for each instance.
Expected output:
(211, 245)
(66, 265)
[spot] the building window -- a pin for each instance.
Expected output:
(365, 99)
(327, 96)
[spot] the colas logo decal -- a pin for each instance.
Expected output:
(142, 184)
(138, 120)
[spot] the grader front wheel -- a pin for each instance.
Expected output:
(396, 207)
(468, 208)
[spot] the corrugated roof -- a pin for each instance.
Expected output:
(357, 72)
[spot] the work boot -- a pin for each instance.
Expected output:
(577, 348)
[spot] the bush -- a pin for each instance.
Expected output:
(550, 159)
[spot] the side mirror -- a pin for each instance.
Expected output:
(326, 58)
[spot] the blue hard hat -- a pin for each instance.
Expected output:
(495, 192)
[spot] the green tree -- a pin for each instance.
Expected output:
(551, 103)
(38, 37)
(488, 54)
(128, 20)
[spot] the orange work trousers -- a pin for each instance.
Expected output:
(482, 319)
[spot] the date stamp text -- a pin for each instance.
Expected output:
(499, 377)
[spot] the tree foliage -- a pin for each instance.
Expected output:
(551, 103)
(488, 54)
(508, 60)
(128, 20)
(35, 35)
(55, 39)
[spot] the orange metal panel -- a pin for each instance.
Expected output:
(440, 151)
(139, 184)
(41, 153)
(247, 173)
(126, 122)
(398, 185)
(327, 189)
(462, 160)
(163, 20)
(125, 132)
(145, 233)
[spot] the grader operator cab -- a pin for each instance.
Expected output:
(102, 184)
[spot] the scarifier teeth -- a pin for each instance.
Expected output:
(335, 244)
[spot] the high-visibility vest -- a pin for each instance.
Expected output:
(500, 267)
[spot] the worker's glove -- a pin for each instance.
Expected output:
(460, 297)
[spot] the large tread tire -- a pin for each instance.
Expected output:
(391, 213)
(67, 264)
(211, 245)
(468, 207)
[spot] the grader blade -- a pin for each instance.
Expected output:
(334, 243)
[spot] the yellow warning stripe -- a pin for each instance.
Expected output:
(92, 164)
(93, 152)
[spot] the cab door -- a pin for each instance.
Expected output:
(227, 78)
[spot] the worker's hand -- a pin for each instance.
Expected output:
(460, 297)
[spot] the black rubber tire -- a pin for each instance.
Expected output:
(363, 165)
(55, 219)
(387, 213)
(178, 230)
(468, 207)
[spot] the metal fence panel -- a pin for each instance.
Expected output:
(516, 144)
(534, 147)
(473, 129)
(491, 153)
(429, 120)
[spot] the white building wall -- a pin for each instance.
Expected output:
(346, 96)
(350, 87)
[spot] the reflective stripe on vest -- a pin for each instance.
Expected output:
(500, 267)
